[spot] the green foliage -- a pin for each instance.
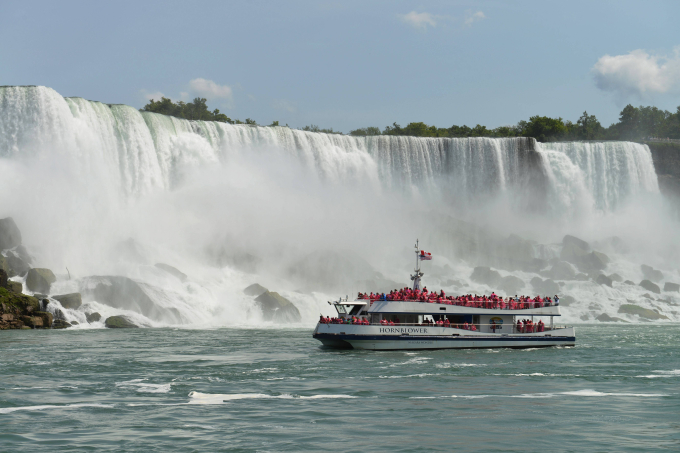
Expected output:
(196, 110)
(315, 128)
(365, 131)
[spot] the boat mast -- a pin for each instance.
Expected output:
(416, 277)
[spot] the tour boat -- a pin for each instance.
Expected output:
(441, 323)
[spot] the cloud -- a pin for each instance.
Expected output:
(638, 74)
(282, 104)
(156, 95)
(210, 90)
(420, 20)
(471, 18)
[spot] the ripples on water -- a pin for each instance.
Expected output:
(276, 390)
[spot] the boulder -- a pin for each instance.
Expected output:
(544, 287)
(10, 236)
(34, 322)
(126, 294)
(581, 277)
(668, 286)
(511, 285)
(604, 317)
(22, 253)
(119, 322)
(46, 317)
(277, 308)
(255, 290)
(567, 301)
(594, 261)
(16, 265)
(60, 324)
(649, 273)
(632, 309)
(40, 280)
(603, 280)
(74, 323)
(93, 317)
(72, 301)
(616, 278)
(575, 242)
(485, 275)
(629, 282)
(172, 271)
(562, 271)
(15, 287)
(649, 286)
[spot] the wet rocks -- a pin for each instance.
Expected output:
(119, 322)
(603, 280)
(486, 276)
(649, 286)
(182, 277)
(671, 287)
(60, 324)
(72, 301)
(578, 252)
(93, 317)
(646, 313)
(277, 308)
(39, 280)
(16, 265)
(544, 287)
(604, 317)
(255, 290)
(562, 270)
(616, 278)
(511, 285)
(10, 236)
(567, 301)
(649, 273)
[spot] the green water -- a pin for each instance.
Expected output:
(277, 390)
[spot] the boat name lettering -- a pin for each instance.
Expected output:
(403, 330)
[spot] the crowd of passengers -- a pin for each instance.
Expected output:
(468, 300)
(523, 326)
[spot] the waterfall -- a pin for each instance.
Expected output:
(85, 170)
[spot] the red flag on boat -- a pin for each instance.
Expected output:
(424, 255)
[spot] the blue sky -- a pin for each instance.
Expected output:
(347, 64)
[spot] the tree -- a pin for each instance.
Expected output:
(365, 131)
(196, 110)
(543, 128)
(588, 127)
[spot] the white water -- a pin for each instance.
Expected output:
(107, 190)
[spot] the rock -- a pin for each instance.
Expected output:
(46, 317)
(649, 286)
(74, 323)
(593, 261)
(10, 236)
(544, 287)
(485, 275)
(562, 271)
(32, 321)
(511, 285)
(649, 273)
(604, 317)
(567, 301)
(671, 287)
(72, 301)
(119, 322)
(255, 290)
(3, 279)
(60, 324)
(172, 271)
(22, 253)
(40, 280)
(16, 266)
(576, 242)
(603, 280)
(126, 294)
(631, 309)
(581, 277)
(616, 278)
(584, 317)
(629, 282)
(15, 287)
(277, 308)
(93, 317)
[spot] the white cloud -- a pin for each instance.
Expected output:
(210, 90)
(282, 104)
(471, 18)
(638, 74)
(156, 95)
(420, 20)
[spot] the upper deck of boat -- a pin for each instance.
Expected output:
(431, 308)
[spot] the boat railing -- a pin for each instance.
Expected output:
(474, 304)
(500, 328)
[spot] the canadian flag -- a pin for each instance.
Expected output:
(424, 255)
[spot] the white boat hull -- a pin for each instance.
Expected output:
(426, 337)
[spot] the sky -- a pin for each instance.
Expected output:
(349, 64)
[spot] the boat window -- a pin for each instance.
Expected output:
(341, 309)
(356, 309)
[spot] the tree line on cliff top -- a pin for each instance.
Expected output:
(635, 123)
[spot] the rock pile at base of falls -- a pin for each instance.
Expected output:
(127, 294)
(179, 275)
(579, 253)
(562, 270)
(603, 280)
(19, 311)
(508, 286)
(649, 286)
(669, 287)
(545, 287)
(274, 306)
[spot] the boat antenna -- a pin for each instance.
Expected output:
(418, 273)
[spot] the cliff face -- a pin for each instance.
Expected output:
(666, 158)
